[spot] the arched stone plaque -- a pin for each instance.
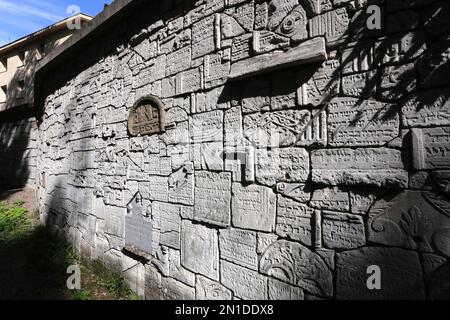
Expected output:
(147, 117)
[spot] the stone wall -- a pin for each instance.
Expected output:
(18, 147)
(300, 148)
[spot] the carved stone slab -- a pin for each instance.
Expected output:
(295, 264)
(322, 84)
(296, 191)
(401, 274)
(376, 167)
(170, 223)
(239, 246)
(147, 117)
(253, 207)
(427, 108)
(294, 25)
(307, 52)
(342, 231)
(200, 249)
(282, 291)
(210, 290)
(282, 165)
(355, 123)
(412, 220)
(245, 283)
(138, 228)
(280, 128)
(213, 198)
(332, 24)
(278, 10)
(294, 220)
(207, 126)
(431, 148)
(331, 199)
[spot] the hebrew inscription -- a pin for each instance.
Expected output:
(147, 117)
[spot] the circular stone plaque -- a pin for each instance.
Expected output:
(147, 117)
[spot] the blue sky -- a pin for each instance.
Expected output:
(19, 18)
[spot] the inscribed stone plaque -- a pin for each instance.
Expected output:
(296, 191)
(427, 108)
(342, 231)
(367, 123)
(147, 117)
(200, 249)
(294, 220)
(331, 199)
(245, 283)
(278, 10)
(282, 165)
(294, 25)
(203, 33)
(322, 84)
(253, 207)
(332, 24)
(282, 291)
(280, 128)
(158, 188)
(138, 228)
(239, 246)
(296, 264)
(207, 126)
(377, 167)
(212, 197)
(431, 148)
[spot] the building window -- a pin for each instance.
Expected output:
(3, 90)
(3, 65)
(22, 56)
(20, 87)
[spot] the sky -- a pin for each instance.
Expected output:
(19, 18)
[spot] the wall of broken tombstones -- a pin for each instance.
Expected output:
(297, 148)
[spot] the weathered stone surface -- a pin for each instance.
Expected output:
(245, 283)
(362, 200)
(207, 126)
(138, 228)
(295, 264)
(333, 25)
(342, 231)
(213, 198)
(253, 207)
(330, 199)
(239, 247)
(176, 290)
(169, 222)
(360, 84)
(264, 241)
(261, 15)
(241, 47)
(398, 80)
(427, 108)
(431, 263)
(352, 122)
(176, 271)
(266, 41)
(296, 191)
(206, 289)
(216, 69)
(307, 52)
(152, 283)
(412, 220)
(294, 220)
(357, 59)
(282, 165)
(431, 148)
(200, 249)
(230, 27)
(188, 81)
(158, 189)
(323, 84)
(276, 129)
(401, 274)
(282, 291)
(442, 179)
(203, 33)
(400, 48)
(181, 186)
(256, 96)
(376, 167)
(233, 129)
(278, 10)
(245, 15)
(178, 61)
(294, 25)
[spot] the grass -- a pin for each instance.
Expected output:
(34, 263)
